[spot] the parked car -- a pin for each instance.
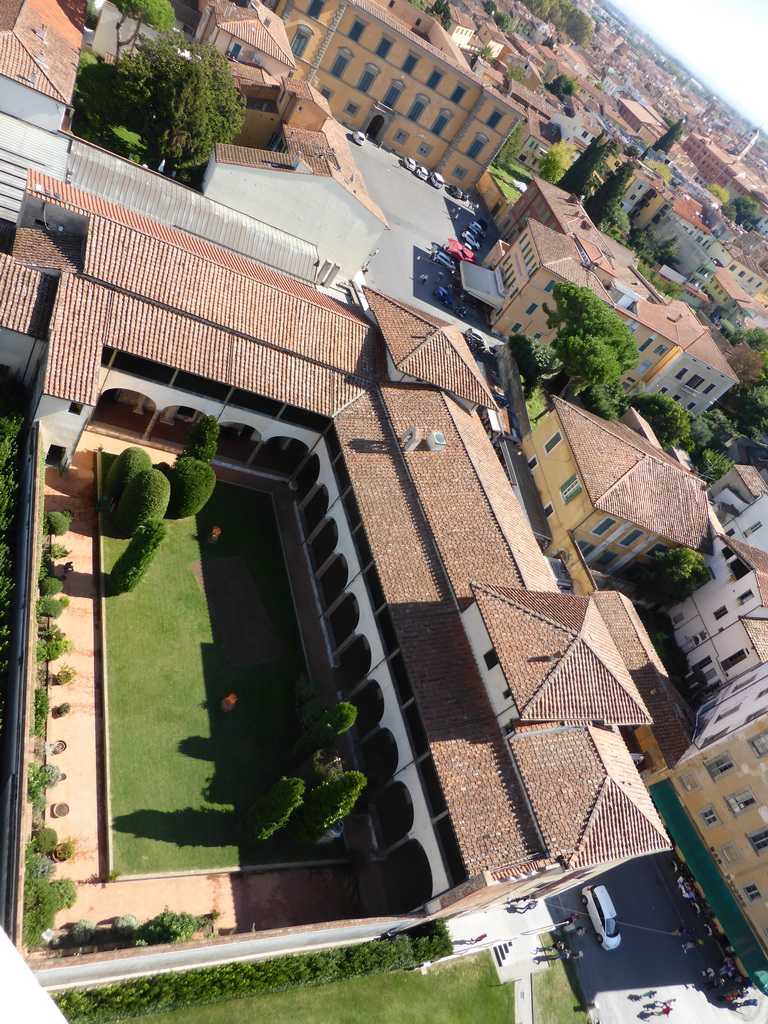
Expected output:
(482, 224)
(408, 163)
(358, 138)
(421, 172)
(473, 337)
(436, 180)
(477, 229)
(455, 191)
(443, 260)
(444, 296)
(602, 914)
(470, 241)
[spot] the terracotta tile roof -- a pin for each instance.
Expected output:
(40, 45)
(588, 798)
(257, 26)
(88, 316)
(435, 354)
(305, 91)
(673, 719)
(558, 658)
(559, 253)
(26, 296)
(490, 817)
(691, 211)
(37, 248)
(626, 476)
(247, 74)
(458, 17)
(757, 631)
(752, 480)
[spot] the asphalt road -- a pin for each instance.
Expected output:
(418, 215)
(650, 956)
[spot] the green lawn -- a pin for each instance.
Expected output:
(535, 405)
(557, 994)
(178, 764)
(464, 992)
(505, 178)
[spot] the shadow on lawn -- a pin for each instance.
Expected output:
(191, 826)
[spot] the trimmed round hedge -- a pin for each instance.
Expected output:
(57, 523)
(145, 497)
(126, 466)
(192, 484)
(134, 562)
(50, 586)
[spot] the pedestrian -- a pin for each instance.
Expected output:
(666, 1008)
(440, 275)
(688, 945)
(649, 994)
(479, 939)
(581, 930)
(424, 278)
(682, 931)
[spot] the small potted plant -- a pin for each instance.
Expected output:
(65, 675)
(214, 535)
(62, 710)
(229, 702)
(64, 850)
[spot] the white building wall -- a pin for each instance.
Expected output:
(105, 34)
(692, 399)
(225, 41)
(24, 102)
(20, 355)
(317, 208)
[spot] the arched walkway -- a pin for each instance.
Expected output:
(370, 707)
(173, 423)
(334, 579)
(127, 411)
(381, 757)
(237, 441)
(280, 455)
(343, 619)
(307, 477)
(323, 544)
(355, 661)
(407, 877)
(315, 509)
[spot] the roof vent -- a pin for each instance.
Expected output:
(411, 439)
(38, 187)
(436, 441)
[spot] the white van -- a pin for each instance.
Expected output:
(602, 914)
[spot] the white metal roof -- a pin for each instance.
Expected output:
(484, 284)
(146, 192)
(24, 145)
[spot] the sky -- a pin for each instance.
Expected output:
(723, 45)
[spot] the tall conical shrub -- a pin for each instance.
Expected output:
(271, 811)
(202, 440)
(326, 804)
(132, 565)
(192, 483)
(145, 497)
(126, 466)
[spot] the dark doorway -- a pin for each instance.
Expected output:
(374, 126)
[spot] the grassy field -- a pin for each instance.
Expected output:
(463, 992)
(182, 771)
(505, 178)
(557, 994)
(535, 405)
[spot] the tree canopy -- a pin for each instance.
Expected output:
(531, 357)
(182, 101)
(605, 203)
(672, 575)
(556, 162)
(579, 27)
(563, 85)
(578, 178)
(157, 13)
(753, 412)
(719, 193)
(748, 364)
(743, 210)
(672, 135)
(670, 422)
(593, 343)
(755, 337)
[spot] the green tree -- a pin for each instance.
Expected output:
(556, 162)
(661, 169)
(748, 364)
(672, 575)
(271, 811)
(711, 428)
(506, 158)
(672, 135)
(325, 727)
(157, 13)
(486, 54)
(563, 85)
(579, 27)
(145, 497)
(441, 11)
(504, 22)
(192, 484)
(181, 102)
(712, 465)
(719, 193)
(605, 203)
(133, 564)
(608, 401)
(515, 73)
(755, 337)
(579, 176)
(95, 97)
(752, 413)
(593, 343)
(666, 253)
(669, 421)
(202, 439)
(743, 210)
(128, 464)
(531, 358)
(169, 926)
(326, 804)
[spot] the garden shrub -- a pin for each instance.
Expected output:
(65, 675)
(46, 839)
(174, 991)
(82, 932)
(57, 523)
(51, 644)
(133, 564)
(272, 810)
(58, 551)
(39, 866)
(42, 708)
(325, 728)
(50, 606)
(169, 926)
(192, 483)
(66, 892)
(325, 805)
(12, 408)
(126, 925)
(202, 440)
(40, 778)
(41, 904)
(51, 774)
(145, 497)
(50, 586)
(128, 464)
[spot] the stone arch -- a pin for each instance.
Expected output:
(280, 454)
(355, 661)
(334, 579)
(343, 619)
(125, 410)
(381, 759)
(407, 877)
(323, 544)
(173, 422)
(237, 441)
(394, 809)
(315, 509)
(370, 707)
(307, 476)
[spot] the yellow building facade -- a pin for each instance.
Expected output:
(381, 74)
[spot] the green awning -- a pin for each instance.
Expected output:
(707, 874)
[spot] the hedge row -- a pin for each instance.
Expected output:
(240, 980)
(12, 401)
